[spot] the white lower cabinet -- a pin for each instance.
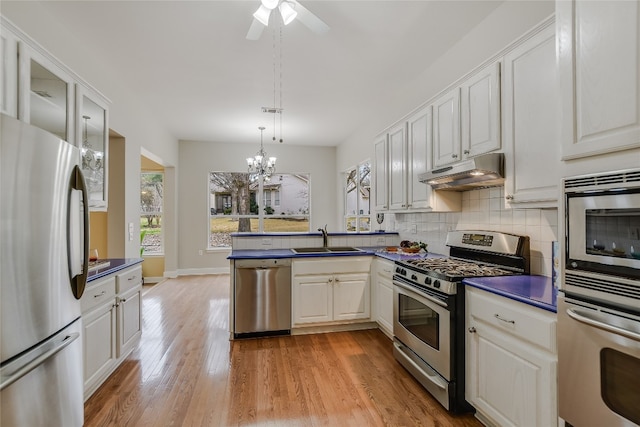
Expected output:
(111, 308)
(129, 303)
(330, 290)
(511, 361)
(383, 295)
(99, 333)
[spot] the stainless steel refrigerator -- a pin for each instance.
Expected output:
(43, 244)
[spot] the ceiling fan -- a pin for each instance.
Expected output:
(289, 10)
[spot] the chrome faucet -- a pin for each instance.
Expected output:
(325, 236)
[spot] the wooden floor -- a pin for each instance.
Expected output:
(186, 372)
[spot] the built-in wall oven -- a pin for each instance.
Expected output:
(599, 303)
(428, 307)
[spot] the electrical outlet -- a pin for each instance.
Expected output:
(267, 242)
(200, 252)
(130, 231)
(414, 228)
(380, 241)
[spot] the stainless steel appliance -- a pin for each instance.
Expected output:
(599, 303)
(428, 307)
(486, 170)
(262, 297)
(43, 243)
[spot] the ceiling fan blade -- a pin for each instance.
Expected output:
(255, 30)
(310, 20)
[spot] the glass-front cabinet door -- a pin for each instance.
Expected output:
(45, 93)
(92, 137)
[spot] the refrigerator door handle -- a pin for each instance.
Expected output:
(78, 280)
(50, 349)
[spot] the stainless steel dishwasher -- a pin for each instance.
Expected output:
(262, 297)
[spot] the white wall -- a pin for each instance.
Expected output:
(197, 159)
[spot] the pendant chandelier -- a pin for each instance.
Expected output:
(91, 159)
(260, 165)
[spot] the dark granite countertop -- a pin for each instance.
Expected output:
(115, 264)
(287, 253)
(537, 291)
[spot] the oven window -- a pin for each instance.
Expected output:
(613, 232)
(620, 383)
(420, 320)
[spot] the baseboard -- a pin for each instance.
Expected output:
(304, 330)
(202, 271)
(149, 280)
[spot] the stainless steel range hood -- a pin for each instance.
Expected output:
(486, 170)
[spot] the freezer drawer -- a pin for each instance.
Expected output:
(43, 387)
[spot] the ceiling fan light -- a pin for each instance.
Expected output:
(287, 12)
(262, 15)
(270, 4)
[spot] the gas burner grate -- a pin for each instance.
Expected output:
(457, 268)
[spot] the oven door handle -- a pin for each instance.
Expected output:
(429, 297)
(588, 319)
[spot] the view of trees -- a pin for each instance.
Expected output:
(237, 184)
(151, 200)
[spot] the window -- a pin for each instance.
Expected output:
(151, 186)
(233, 205)
(357, 184)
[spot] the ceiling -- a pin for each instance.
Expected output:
(195, 71)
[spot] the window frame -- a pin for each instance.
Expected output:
(262, 217)
(361, 218)
(159, 214)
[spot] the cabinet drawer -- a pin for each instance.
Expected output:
(385, 268)
(523, 321)
(98, 293)
(129, 280)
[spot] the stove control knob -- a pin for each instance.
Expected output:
(404, 272)
(414, 277)
(436, 284)
(398, 269)
(427, 280)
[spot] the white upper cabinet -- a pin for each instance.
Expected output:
(480, 106)
(398, 167)
(8, 72)
(381, 173)
(531, 122)
(419, 134)
(599, 59)
(92, 137)
(45, 92)
(446, 128)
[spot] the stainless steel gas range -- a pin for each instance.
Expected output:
(428, 307)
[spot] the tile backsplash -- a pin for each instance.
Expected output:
(483, 210)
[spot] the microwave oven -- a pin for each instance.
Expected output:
(602, 233)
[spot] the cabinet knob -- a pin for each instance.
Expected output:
(509, 197)
(455, 156)
(472, 330)
(466, 151)
(331, 280)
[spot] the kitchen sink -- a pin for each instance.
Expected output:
(309, 250)
(325, 250)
